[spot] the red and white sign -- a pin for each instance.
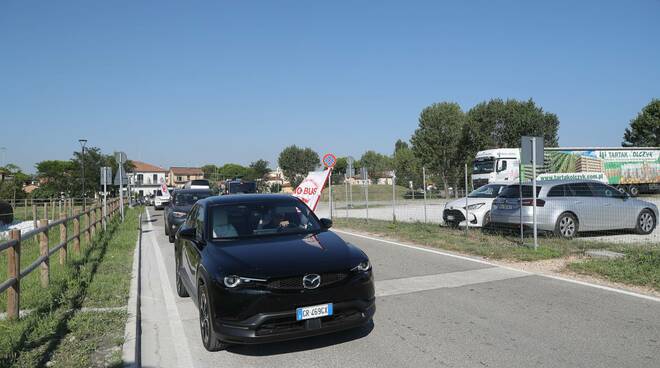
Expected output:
(164, 190)
(309, 191)
(329, 160)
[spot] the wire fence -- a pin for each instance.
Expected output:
(568, 209)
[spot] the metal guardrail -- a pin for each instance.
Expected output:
(94, 219)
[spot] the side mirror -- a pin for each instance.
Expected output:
(326, 223)
(187, 233)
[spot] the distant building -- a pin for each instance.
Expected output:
(276, 177)
(146, 178)
(178, 176)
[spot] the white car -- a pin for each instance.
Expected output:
(161, 197)
(479, 202)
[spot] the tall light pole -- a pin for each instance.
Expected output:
(83, 142)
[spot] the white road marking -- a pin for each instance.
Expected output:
(583, 283)
(183, 356)
(445, 280)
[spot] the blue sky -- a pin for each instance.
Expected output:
(195, 82)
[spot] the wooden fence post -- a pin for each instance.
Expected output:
(43, 251)
(45, 213)
(63, 238)
(25, 209)
(76, 231)
(14, 270)
(99, 219)
(87, 230)
(92, 222)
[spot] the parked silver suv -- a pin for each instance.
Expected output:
(567, 207)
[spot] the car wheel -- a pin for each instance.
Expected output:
(180, 288)
(167, 229)
(566, 226)
(645, 222)
(633, 190)
(211, 343)
(486, 221)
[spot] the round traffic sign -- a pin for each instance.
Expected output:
(329, 160)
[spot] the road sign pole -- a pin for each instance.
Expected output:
(536, 244)
(330, 191)
(393, 197)
(424, 183)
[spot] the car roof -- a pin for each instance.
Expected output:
(248, 198)
(557, 182)
(194, 190)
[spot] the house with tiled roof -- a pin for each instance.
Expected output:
(146, 178)
(178, 176)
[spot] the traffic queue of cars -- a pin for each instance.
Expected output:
(263, 268)
(563, 207)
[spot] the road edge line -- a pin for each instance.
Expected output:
(129, 346)
(466, 258)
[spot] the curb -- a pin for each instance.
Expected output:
(130, 346)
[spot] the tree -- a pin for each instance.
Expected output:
(94, 159)
(435, 142)
(11, 184)
(231, 171)
(55, 177)
(644, 130)
(499, 124)
(296, 162)
(339, 170)
(406, 165)
(377, 164)
(260, 168)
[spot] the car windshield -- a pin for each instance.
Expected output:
(261, 219)
(188, 199)
(487, 191)
(483, 166)
(513, 191)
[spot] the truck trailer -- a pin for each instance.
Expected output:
(634, 170)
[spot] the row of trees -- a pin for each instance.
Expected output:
(256, 170)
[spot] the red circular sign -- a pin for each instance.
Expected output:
(329, 160)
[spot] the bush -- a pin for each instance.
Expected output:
(6, 213)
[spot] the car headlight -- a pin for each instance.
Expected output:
(362, 267)
(474, 206)
(232, 281)
(179, 214)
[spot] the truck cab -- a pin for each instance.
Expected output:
(500, 165)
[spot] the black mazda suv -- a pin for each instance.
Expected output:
(264, 268)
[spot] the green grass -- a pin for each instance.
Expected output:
(376, 193)
(639, 267)
(56, 330)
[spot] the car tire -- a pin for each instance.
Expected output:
(211, 343)
(567, 226)
(486, 221)
(633, 190)
(646, 222)
(167, 229)
(180, 288)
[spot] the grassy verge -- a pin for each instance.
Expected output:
(638, 267)
(56, 330)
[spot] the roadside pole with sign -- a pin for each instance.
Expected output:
(532, 152)
(106, 177)
(120, 157)
(329, 161)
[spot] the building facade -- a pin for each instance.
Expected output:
(178, 176)
(146, 178)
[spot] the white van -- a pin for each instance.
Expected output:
(161, 197)
(197, 184)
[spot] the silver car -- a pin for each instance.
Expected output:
(567, 207)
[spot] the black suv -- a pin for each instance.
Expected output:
(177, 209)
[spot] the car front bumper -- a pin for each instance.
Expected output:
(282, 326)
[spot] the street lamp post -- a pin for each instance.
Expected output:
(83, 142)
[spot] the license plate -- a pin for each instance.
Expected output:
(450, 217)
(314, 311)
(505, 207)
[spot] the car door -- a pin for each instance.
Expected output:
(194, 251)
(584, 206)
(617, 212)
(186, 244)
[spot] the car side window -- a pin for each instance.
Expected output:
(602, 190)
(580, 190)
(558, 191)
(190, 221)
(199, 223)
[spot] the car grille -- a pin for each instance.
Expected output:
(295, 283)
(458, 215)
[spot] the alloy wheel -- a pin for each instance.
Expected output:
(646, 222)
(204, 322)
(567, 227)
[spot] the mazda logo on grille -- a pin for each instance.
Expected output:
(311, 281)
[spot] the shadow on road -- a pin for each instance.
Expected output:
(303, 344)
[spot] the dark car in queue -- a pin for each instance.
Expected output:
(180, 204)
(263, 268)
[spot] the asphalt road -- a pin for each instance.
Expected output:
(433, 310)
